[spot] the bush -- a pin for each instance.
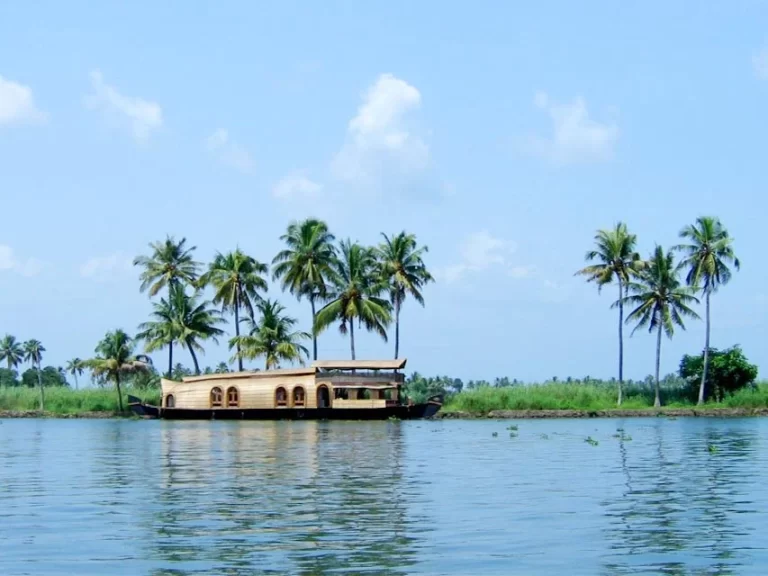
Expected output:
(729, 371)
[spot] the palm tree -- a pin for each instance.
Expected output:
(11, 352)
(33, 353)
(307, 266)
(272, 336)
(170, 263)
(115, 358)
(404, 272)
(237, 279)
(356, 295)
(194, 320)
(221, 368)
(75, 367)
(707, 257)
(162, 330)
(616, 260)
(661, 301)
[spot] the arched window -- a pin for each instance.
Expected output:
(298, 396)
(233, 398)
(216, 397)
(170, 401)
(281, 397)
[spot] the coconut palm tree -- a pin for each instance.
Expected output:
(272, 336)
(707, 258)
(403, 270)
(193, 320)
(170, 263)
(356, 295)
(75, 367)
(33, 353)
(11, 352)
(616, 259)
(306, 266)
(115, 358)
(221, 368)
(237, 279)
(660, 301)
(162, 330)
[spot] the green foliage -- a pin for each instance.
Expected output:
(8, 378)
(64, 400)
(729, 371)
(169, 264)
(49, 375)
(418, 388)
(11, 351)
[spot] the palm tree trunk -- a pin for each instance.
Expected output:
(314, 334)
(119, 392)
(75, 375)
(42, 391)
(397, 326)
(706, 355)
(657, 400)
(170, 359)
(237, 333)
(194, 357)
(352, 336)
(621, 341)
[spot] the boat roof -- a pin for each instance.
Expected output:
(251, 373)
(359, 364)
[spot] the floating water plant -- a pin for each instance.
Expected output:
(590, 440)
(512, 427)
(495, 434)
(712, 448)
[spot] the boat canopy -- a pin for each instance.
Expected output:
(359, 364)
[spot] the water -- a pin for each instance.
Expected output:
(444, 497)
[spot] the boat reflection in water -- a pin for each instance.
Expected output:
(295, 497)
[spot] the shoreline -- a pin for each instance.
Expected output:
(458, 415)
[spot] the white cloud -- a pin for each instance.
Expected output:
(8, 262)
(296, 186)
(228, 151)
(760, 64)
(17, 103)
(102, 268)
(576, 137)
(380, 136)
(142, 115)
(481, 251)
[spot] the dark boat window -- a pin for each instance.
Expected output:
(341, 393)
(170, 402)
(233, 399)
(298, 396)
(281, 397)
(364, 394)
(216, 397)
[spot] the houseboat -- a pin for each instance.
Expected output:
(325, 390)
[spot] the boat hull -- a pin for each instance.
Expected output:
(401, 412)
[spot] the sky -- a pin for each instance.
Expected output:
(502, 134)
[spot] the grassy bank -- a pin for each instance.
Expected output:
(562, 396)
(66, 401)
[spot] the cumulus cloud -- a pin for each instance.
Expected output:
(9, 262)
(481, 251)
(143, 116)
(17, 105)
(228, 151)
(380, 135)
(102, 268)
(576, 138)
(760, 63)
(296, 186)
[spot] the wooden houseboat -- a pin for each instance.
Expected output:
(328, 389)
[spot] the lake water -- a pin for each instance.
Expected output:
(441, 497)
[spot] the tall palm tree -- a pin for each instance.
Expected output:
(403, 270)
(356, 295)
(11, 352)
(115, 358)
(237, 279)
(75, 367)
(306, 266)
(170, 263)
(193, 320)
(272, 336)
(163, 329)
(616, 259)
(660, 302)
(33, 353)
(707, 256)
(221, 368)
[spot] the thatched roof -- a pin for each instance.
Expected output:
(359, 364)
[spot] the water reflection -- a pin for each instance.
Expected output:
(253, 498)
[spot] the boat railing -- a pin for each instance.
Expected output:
(362, 377)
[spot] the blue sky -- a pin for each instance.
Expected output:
(502, 135)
